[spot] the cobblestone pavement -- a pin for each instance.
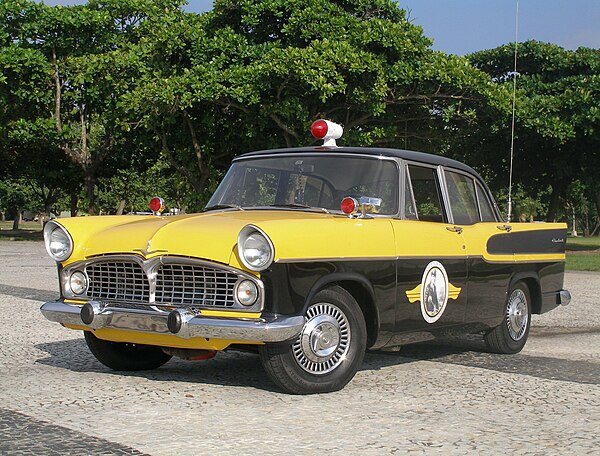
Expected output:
(55, 398)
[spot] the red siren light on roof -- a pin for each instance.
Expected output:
(319, 129)
(326, 130)
(157, 205)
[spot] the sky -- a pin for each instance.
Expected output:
(464, 26)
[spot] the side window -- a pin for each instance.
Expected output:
(487, 212)
(426, 193)
(463, 199)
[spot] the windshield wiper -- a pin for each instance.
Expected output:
(222, 206)
(300, 206)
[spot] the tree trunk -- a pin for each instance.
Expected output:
(121, 207)
(90, 181)
(597, 202)
(553, 206)
(74, 202)
(17, 219)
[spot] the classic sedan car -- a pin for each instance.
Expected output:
(309, 256)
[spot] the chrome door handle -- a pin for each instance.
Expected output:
(506, 228)
(456, 229)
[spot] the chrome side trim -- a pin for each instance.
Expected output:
(273, 328)
(415, 257)
(334, 259)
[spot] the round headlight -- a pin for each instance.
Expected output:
(58, 242)
(255, 248)
(246, 292)
(78, 282)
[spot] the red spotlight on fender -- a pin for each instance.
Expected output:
(157, 205)
(349, 205)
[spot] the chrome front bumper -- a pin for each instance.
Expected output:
(180, 322)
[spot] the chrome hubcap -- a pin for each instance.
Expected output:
(324, 341)
(517, 315)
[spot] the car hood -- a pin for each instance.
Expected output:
(213, 235)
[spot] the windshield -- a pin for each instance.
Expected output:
(315, 182)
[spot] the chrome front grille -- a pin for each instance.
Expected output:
(118, 281)
(185, 284)
(164, 282)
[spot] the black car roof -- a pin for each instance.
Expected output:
(409, 155)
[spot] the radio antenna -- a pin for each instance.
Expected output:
(512, 130)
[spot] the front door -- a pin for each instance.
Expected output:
(431, 255)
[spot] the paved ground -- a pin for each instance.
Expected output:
(55, 398)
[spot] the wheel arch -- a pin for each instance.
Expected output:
(532, 280)
(361, 290)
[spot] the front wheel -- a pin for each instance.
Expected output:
(510, 336)
(122, 356)
(327, 353)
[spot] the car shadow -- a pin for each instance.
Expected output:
(230, 368)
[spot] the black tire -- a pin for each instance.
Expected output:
(125, 357)
(298, 369)
(511, 335)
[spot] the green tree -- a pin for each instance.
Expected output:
(253, 74)
(90, 62)
(558, 118)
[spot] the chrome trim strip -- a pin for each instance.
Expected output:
(415, 257)
(334, 259)
(445, 195)
(274, 328)
(320, 153)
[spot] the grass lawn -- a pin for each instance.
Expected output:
(583, 254)
(28, 231)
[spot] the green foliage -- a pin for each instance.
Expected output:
(558, 114)
(134, 188)
(118, 100)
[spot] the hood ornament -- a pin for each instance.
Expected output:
(147, 251)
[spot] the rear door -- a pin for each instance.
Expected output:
(472, 211)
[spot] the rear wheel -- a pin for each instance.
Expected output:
(328, 351)
(510, 336)
(124, 356)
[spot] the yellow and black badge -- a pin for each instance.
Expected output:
(433, 292)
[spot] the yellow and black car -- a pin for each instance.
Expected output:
(311, 256)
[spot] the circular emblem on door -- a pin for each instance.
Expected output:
(434, 292)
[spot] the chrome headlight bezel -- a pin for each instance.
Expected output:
(78, 277)
(55, 233)
(255, 234)
(246, 287)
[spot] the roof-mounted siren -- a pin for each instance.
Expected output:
(327, 131)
